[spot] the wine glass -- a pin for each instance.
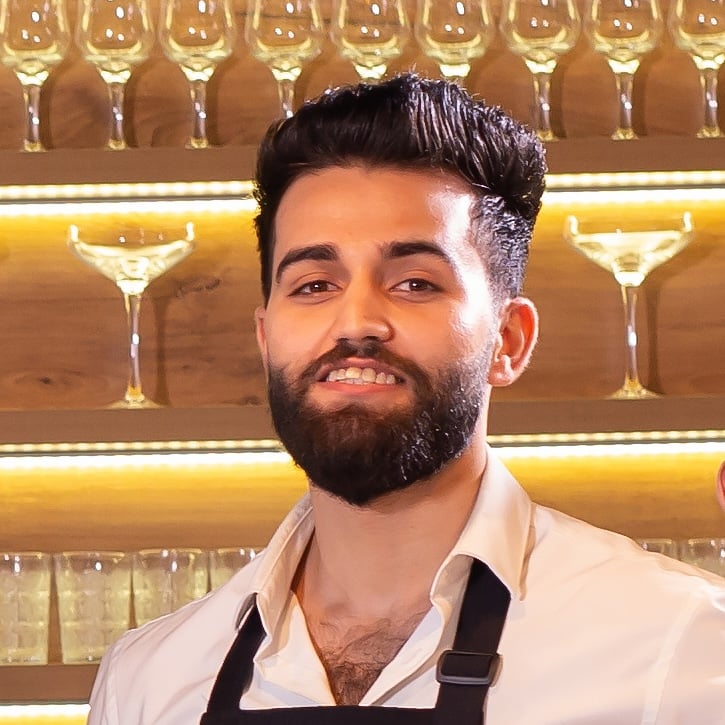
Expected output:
(540, 31)
(197, 35)
(698, 28)
(453, 33)
(35, 37)
(132, 259)
(285, 34)
(115, 35)
(630, 250)
(624, 31)
(370, 33)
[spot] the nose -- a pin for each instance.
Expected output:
(362, 313)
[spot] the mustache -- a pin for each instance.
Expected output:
(370, 348)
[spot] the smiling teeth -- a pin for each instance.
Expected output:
(360, 376)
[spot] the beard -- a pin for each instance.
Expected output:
(359, 454)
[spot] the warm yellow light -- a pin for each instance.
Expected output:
(510, 447)
(142, 206)
(663, 180)
(156, 190)
(50, 713)
(618, 197)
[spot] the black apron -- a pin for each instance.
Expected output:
(464, 673)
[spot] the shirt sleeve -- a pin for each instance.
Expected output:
(693, 688)
(103, 701)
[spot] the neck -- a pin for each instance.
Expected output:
(375, 560)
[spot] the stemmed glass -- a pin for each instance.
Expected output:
(35, 37)
(698, 28)
(453, 33)
(285, 35)
(132, 259)
(197, 35)
(115, 35)
(540, 31)
(624, 31)
(630, 251)
(370, 33)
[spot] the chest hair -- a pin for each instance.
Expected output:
(354, 656)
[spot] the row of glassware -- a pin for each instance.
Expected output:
(96, 591)
(99, 595)
(706, 553)
(116, 35)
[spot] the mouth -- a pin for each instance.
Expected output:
(359, 372)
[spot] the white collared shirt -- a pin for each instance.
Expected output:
(598, 632)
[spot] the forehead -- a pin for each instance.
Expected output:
(349, 206)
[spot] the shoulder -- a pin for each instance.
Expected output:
(653, 608)
(163, 672)
(566, 549)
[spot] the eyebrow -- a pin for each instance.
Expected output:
(329, 253)
(398, 250)
(314, 252)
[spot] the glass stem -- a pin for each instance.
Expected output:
(133, 396)
(31, 94)
(286, 90)
(632, 384)
(116, 91)
(198, 138)
(624, 93)
(708, 80)
(542, 89)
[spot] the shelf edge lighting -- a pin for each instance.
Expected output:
(50, 712)
(580, 188)
(103, 459)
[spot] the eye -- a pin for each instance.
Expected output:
(416, 285)
(316, 286)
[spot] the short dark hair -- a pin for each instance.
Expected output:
(415, 123)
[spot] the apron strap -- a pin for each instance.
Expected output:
(467, 671)
(235, 675)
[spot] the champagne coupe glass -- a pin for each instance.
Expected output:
(540, 31)
(370, 33)
(624, 31)
(132, 259)
(115, 35)
(630, 250)
(698, 28)
(285, 34)
(35, 38)
(453, 33)
(197, 35)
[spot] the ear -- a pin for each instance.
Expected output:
(721, 485)
(517, 335)
(259, 315)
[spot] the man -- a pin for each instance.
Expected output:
(394, 228)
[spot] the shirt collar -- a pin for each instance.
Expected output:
(497, 533)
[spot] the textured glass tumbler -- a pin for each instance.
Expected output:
(24, 607)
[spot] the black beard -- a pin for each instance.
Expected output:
(357, 454)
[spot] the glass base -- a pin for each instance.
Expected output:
(633, 392)
(546, 136)
(624, 134)
(710, 132)
(134, 404)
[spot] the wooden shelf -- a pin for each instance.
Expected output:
(53, 683)
(253, 423)
(230, 163)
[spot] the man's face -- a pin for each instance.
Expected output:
(379, 330)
